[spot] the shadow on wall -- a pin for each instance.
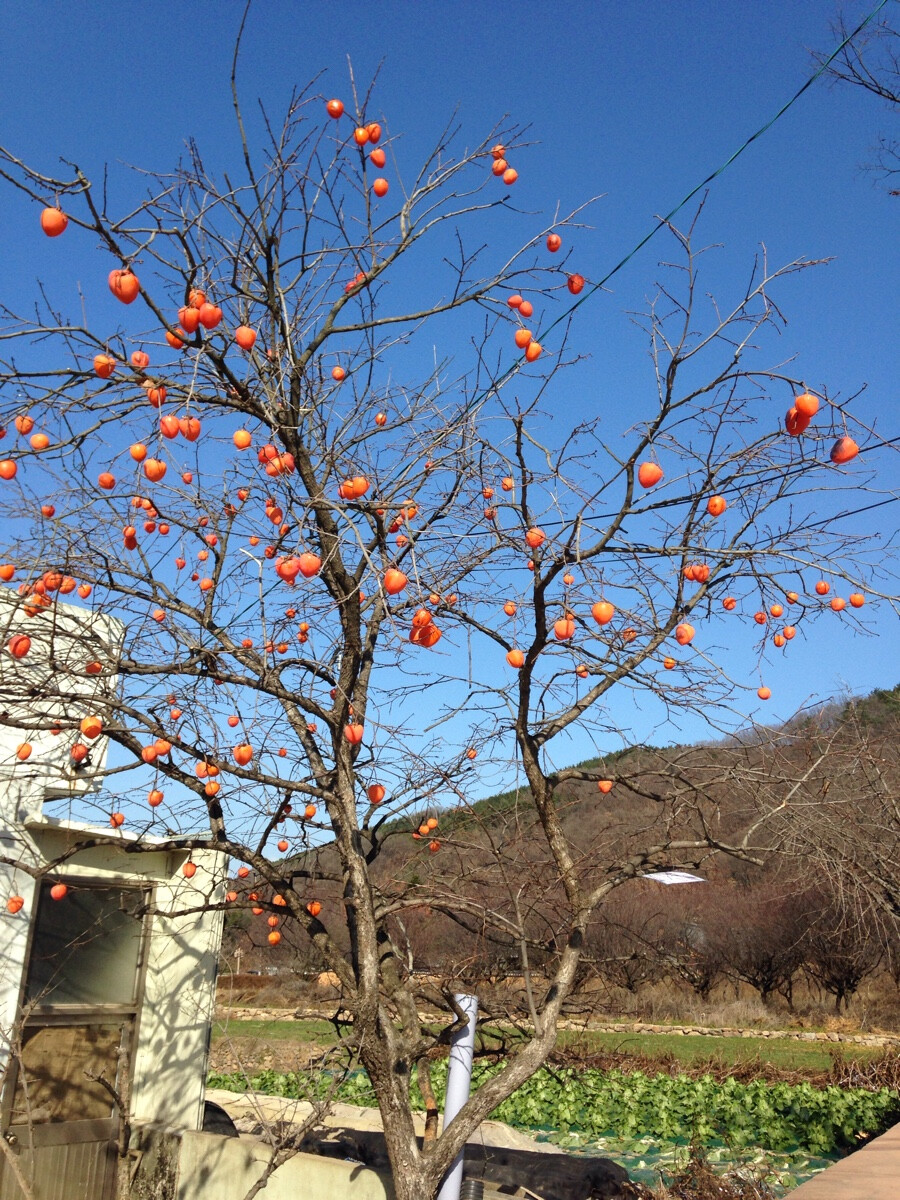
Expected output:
(207, 1166)
(349, 1162)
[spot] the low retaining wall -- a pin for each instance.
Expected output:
(212, 1167)
(225, 1013)
(857, 1039)
(176, 1165)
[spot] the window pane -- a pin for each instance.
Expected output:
(86, 947)
(52, 1084)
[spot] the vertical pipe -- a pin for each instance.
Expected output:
(459, 1078)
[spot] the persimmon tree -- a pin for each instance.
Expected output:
(371, 556)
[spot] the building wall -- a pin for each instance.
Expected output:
(50, 687)
(14, 930)
(179, 998)
(63, 639)
(175, 1006)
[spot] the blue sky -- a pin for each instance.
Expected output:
(636, 102)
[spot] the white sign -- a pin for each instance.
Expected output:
(674, 877)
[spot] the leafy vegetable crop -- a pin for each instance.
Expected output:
(777, 1116)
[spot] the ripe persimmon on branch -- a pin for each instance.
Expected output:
(361, 577)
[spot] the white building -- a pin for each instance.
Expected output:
(114, 981)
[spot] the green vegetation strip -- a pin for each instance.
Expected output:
(596, 1103)
(319, 1032)
(780, 1052)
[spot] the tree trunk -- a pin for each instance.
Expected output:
(409, 1182)
(788, 992)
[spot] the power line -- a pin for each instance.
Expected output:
(663, 221)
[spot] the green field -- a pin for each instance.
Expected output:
(651, 1118)
(320, 1032)
(785, 1053)
(780, 1052)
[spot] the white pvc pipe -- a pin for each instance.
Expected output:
(459, 1079)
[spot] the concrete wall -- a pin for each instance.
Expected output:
(50, 687)
(212, 1167)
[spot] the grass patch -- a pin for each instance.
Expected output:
(320, 1032)
(785, 1053)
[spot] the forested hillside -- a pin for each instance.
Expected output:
(805, 877)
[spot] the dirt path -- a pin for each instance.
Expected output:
(231, 1055)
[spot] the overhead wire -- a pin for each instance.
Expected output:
(662, 222)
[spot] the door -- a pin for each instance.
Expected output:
(70, 1074)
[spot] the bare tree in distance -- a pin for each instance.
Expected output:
(840, 949)
(871, 61)
(625, 942)
(846, 819)
(360, 578)
(762, 932)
